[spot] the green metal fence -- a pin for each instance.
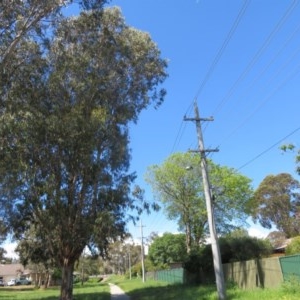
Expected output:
(290, 266)
(170, 276)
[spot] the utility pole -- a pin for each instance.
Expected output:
(208, 198)
(129, 261)
(142, 253)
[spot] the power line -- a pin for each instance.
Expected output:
(268, 149)
(223, 47)
(263, 102)
(273, 59)
(257, 55)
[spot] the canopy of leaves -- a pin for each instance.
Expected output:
(277, 202)
(180, 189)
(293, 247)
(68, 94)
(243, 248)
(169, 248)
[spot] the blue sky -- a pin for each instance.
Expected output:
(240, 61)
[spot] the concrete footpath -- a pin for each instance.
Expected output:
(117, 293)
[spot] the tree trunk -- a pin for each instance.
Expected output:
(49, 280)
(188, 238)
(40, 279)
(66, 290)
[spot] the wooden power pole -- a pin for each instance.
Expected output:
(208, 198)
(142, 253)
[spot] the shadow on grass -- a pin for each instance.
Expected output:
(174, 292)
(92, 296)
(178, 292)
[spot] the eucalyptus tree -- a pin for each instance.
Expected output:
(177, 184)
(65, 111)
(276, 202)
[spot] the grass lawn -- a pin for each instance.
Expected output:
(91, 290)
(150, 290)
(153, 290)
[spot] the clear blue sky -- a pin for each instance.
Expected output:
(240, 60)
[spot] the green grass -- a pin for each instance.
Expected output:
(152, 290)
(91, 290)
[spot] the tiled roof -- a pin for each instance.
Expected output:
(12, 270)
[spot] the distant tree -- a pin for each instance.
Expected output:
(3, 234)
(237, 233)
(122, 256)
(277, 202)
(33, 253)
(177, 184)
(293, 247)
(242, 248)
(2, 254)
(169, 248)
(68, 93)
(86, 266)
(276, 238)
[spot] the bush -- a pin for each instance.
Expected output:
(292, 285)
(293, 247)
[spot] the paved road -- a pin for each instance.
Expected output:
(117, 293)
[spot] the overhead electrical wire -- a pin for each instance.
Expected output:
(210, 71)
(223, 47)
(242, 76)
(181, 130)
(212, 67)
(253, 61)
(263, 102)
(257, 55)
(268, 149)
(273, 59)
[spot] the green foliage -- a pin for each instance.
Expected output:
(293, 247)
(181, 191)
(89, 291)
(277, 202)
(169, 248)
(68, 93)
(233, 248)
(292, 285)
(243, 248)
(151, 290)
(56, 275)
(137, 271)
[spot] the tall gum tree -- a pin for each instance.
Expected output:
(64, 127)
(276, 202)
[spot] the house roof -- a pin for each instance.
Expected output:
(13, 270)
(284, 244)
